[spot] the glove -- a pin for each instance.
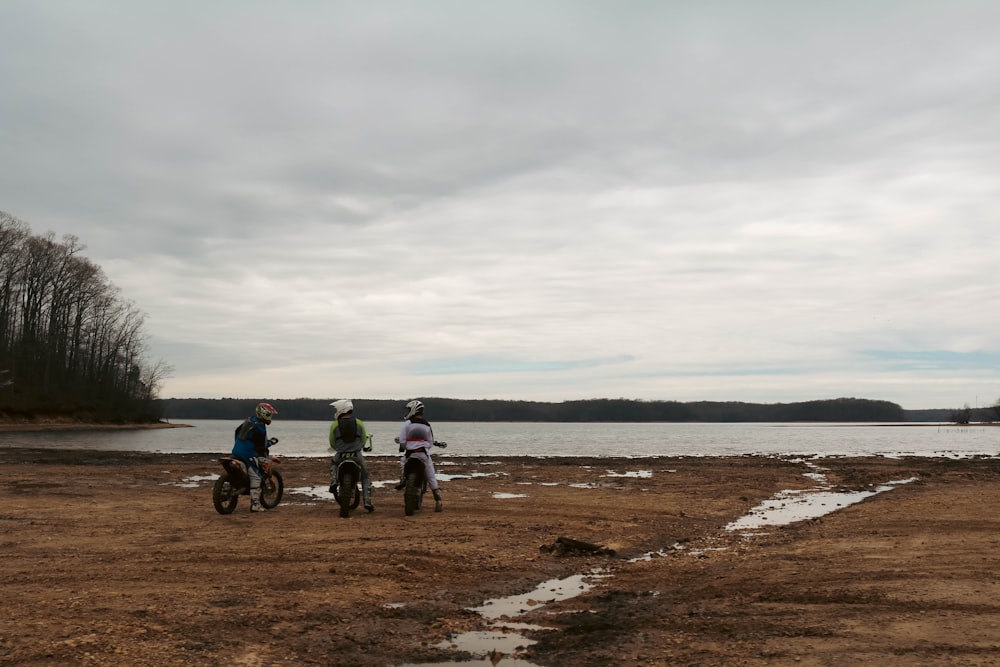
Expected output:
(442, 445)
(272, 441)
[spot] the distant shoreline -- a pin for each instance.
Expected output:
(78, 426)
(20, 427)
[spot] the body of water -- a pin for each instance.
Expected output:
(309, 439)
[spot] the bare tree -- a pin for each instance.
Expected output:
(13, 233)
(67, 340)
(963, 416)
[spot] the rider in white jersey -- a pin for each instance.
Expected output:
(417, 440)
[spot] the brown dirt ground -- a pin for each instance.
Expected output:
(107, 560)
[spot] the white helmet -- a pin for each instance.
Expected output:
(342, 407)
(414, 408)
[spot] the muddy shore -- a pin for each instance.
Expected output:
(118, 558)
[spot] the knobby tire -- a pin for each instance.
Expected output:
(271, 491)
(411, 494)
(348, 489)
(224, 496)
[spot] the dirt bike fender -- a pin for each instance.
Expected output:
(414, 465)
(237, 470)
(233, 465)
(343, 465)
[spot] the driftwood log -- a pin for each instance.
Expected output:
(567, 546)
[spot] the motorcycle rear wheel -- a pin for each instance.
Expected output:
(224, 496)
(411, 494)
(271, 490)
(357, 496)
(347, 492)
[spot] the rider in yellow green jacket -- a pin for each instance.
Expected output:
(348, 436)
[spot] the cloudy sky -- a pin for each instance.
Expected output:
(753, 201)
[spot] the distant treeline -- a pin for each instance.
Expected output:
(70, 347)
(594, 410)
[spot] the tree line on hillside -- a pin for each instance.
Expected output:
(69, 345)
(594, 410)
(968, 415)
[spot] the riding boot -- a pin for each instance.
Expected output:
(402, 483)
(367, 494)
(437, 501)
(255, 505)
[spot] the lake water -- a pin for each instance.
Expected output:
(309, 439)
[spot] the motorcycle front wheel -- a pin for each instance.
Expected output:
(272, 487)
(224, 496)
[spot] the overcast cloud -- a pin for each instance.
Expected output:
(752, 201)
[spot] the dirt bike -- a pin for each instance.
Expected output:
(415, 482)
(235, 482)
(347, 490)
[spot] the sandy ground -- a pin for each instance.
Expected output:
(120, 559)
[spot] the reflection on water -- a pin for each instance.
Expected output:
(309, 439)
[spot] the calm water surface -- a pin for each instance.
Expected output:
(308, 438)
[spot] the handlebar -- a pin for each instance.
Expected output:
(437, 443)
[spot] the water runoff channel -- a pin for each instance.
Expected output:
(500, 643)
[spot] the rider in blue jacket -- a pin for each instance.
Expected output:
(250, 445)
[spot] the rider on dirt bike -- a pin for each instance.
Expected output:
(416, 440)
(348, 434)
(250, 445)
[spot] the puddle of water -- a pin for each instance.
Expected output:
(499, 646)
(504, 495)
(546, 592)
(791, 506)
(447, 462)
(662, 553)
(497, 660)
(314, 492)
(638, 474)
(446, 477)
(503, 642)
(193, 482)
